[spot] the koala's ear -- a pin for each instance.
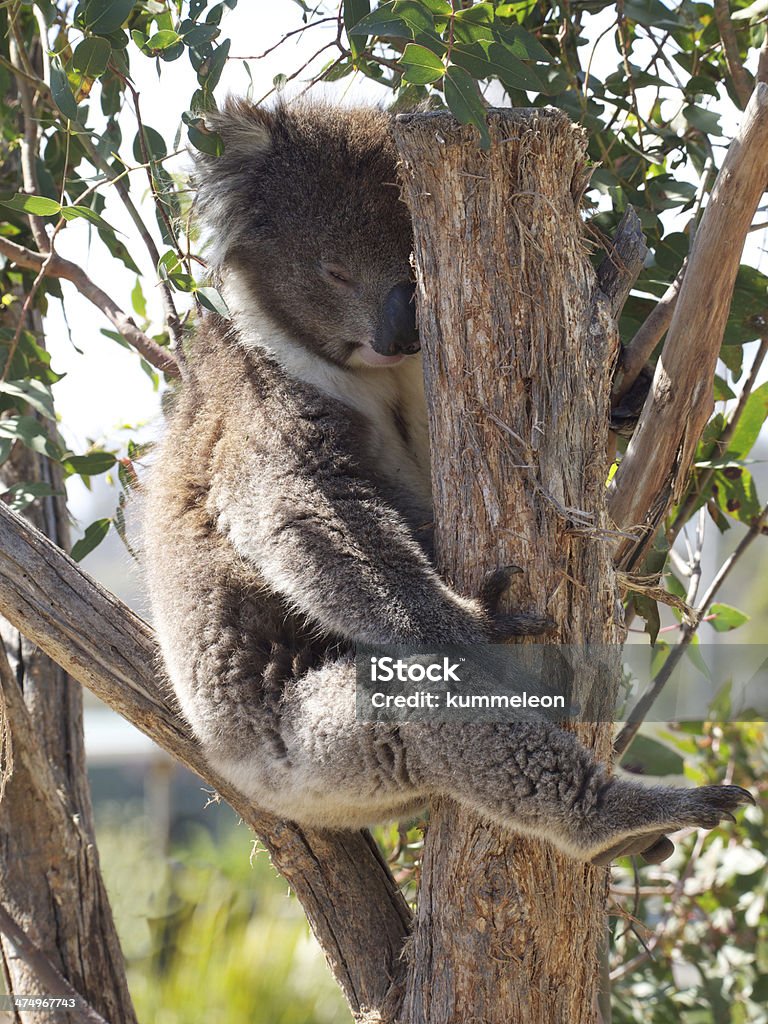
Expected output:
(246, 130)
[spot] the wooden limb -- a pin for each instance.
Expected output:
(171, 313)
(48, 977)
(355, 908)
(623, 262)
(637, 353)
(658, 458)
(29, 138)
(742, 85)
(518, 364)
(56, 266)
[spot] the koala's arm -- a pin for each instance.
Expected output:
(336, 551)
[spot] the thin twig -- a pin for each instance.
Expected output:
(171, 313)
(293, 32)
(56, 266)
(649, 334)
(29, 138)
(741, 84)
(688, 630)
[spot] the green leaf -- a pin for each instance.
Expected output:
(154, 142)
(210, 70)
(105, 16)
(206, 141)
(31, 433)
(61, 92)
(163, 39)
(423, 66)
(522, 44)
(86, 213)
(91, 539)
(465, 103)
(750, 423)
(735, 493)
(91, 57)
(21, 496)
(707, 121)
(354, 12)
(40, 206)
(138, 301)
(397, 18)
(211, 299)
(119, 250)
(655, 758)
(90, 465)
(726, 617)
(33, 392)
(492, 60)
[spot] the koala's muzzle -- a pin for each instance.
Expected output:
(397, 334)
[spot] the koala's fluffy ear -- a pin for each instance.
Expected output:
(222, 181)
(245, 129)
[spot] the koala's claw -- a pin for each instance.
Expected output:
(495, 585)
(709, 806)
(713, 803)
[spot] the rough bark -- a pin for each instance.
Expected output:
(519, 350)
(50, 881)
(353, 905)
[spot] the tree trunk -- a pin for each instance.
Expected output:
(519, 349)
(50, 881)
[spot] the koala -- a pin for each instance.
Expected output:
(287, 516)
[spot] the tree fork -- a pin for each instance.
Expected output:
(519, 348)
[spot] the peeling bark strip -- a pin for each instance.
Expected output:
(352, 903)
(660, 453)
(519, 351)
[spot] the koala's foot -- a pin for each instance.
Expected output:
(503, 624)
(667, 810)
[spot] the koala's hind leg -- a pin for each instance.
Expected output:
(317, 764)
(537, 779)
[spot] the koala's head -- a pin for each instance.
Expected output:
(303, 213)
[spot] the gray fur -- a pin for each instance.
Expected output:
(287, 513)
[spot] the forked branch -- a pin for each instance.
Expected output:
(660, 454)
(354, 906)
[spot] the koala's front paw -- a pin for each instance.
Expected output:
(504, 624)
(705, 807)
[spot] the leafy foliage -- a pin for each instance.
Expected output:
(653, 83)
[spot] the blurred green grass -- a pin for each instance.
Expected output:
(209, 930)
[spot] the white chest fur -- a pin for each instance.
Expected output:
(391, 399)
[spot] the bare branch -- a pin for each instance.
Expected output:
(623, 261)
(54, 265)
(659, 455)
(29, 138)
(652, 330)
(50, 979)
(171, 313)
(762, 65)
(741, 83)
(355, 909)
(688, 630)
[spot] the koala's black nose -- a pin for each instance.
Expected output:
(397, 332)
